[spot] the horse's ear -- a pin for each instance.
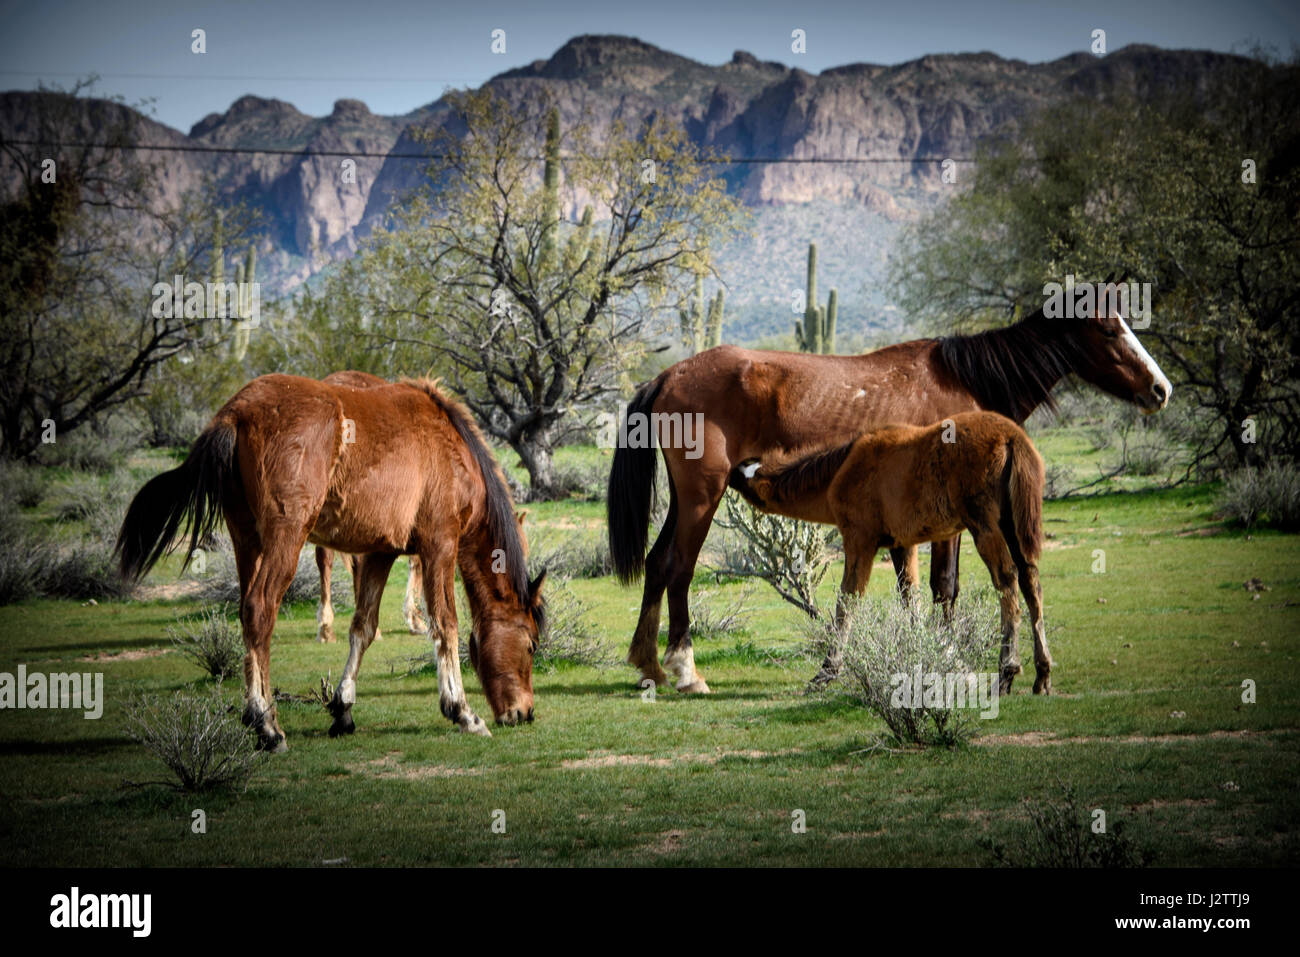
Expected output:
(520, 516)
(535, 589)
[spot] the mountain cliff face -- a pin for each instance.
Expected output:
(911, 116)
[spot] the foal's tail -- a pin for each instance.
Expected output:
(1026, 492)
(190, 495)
(631, 494)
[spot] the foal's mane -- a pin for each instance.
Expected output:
(806, 476)
(502, 524)
(1011, 370)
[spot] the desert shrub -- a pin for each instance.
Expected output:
(885, 643)
(91, 450)
(34, 563)
(585, 481)
(1057, 480)
(1061, 835)
(570, 555)
(25, 556)
(791, 556)
(84, 568)
(1268, 495)
(211, 640)
(219, 580)
(712, 619)
(569, 636)
(197, 736)
(21, 485)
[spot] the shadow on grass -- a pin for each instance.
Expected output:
(70, 746)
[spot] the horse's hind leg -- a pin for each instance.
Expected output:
(993, 549)
(411, 605)
(370, 574)
(353, 564)
(325, 608)
(1033, 592)
(693, 522)
(644, 651)
(266, 569)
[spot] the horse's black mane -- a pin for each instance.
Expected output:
(1014, 369)
(502, 524)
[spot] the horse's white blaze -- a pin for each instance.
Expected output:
(1131, 340)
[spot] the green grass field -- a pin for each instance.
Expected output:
(1148, 723)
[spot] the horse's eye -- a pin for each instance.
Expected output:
(1110, 333)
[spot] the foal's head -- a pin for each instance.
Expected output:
(501, 651)
(1110, 357)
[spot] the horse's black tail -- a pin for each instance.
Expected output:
(632, 493)
(189, 495)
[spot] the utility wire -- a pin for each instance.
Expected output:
(273, 151)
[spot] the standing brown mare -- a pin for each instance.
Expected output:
(765, 403)
(902, 485)
(380, 472)
(325, 557)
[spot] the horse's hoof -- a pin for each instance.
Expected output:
(477, 726)
(658, 677)
(325, 635)
(343, 724)
(698, 686)
(1043, 685)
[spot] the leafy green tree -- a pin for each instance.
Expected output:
(529, 314)
(89, 231)
(1161, 193)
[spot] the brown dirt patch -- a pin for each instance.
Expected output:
(1039, 739)
(669, 842)
(606, 759)
(133, 655)
(389, 767)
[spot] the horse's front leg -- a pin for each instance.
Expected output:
(370, 574)
(859, 553)
(439, 574)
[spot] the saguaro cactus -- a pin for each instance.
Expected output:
(713, 336)
(245, 275)
(816, 333)
(551, 190)
(692, 319)
(702, 322)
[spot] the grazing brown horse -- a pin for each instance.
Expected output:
(765, 403)
(902, 486)
(393, 470)
(325, 557)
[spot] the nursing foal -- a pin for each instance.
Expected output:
(901, 486)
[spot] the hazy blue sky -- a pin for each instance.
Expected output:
(401, 54)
